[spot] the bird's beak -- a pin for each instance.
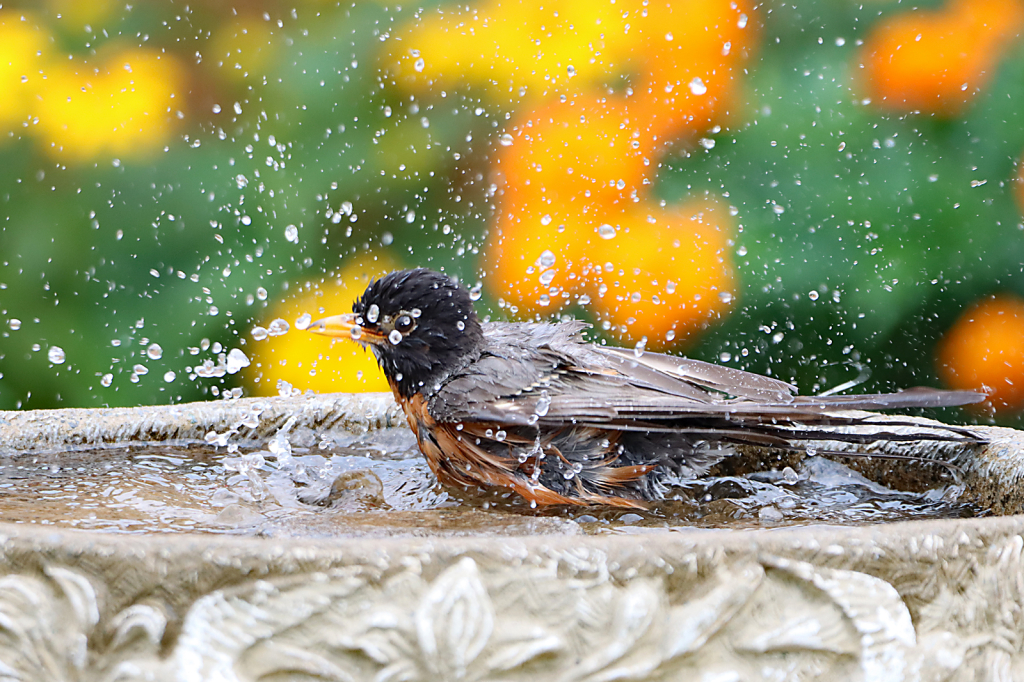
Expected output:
(345, 326)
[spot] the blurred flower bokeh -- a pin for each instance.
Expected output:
(819, 192)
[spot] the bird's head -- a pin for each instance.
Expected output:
(419, 324)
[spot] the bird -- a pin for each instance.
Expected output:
(536, 409)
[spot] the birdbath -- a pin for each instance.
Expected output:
(234, 575)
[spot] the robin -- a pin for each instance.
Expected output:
(534, 408)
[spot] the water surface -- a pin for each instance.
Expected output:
(379, 485)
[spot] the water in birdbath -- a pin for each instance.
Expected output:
(379, 485)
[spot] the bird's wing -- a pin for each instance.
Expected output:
(546, 375)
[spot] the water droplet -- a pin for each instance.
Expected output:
(154, 352)
(236, 360)
(570, 70)
(812, 294)
(291, 233)
(725, 356)
(216, 108)
(543, 404)
(725, 296)
(500, 435)
(707, 143)
(56, 355)
(238, 108)
(395, 337)
(141, 370)
(476, 292)
(261, 294)
(14, 323)
(697, 86)
(547, 277)
(419, 64)
(259, 333)
(670, 335)
(778, 210)
(606, 231)
(373, 313)
(741, 251)
(742, 21)
(460, 325)
(106, 380)
(277, 328)
(545, 219)
(170, 376)
(641, 345)
(506, 140)
(303, 321)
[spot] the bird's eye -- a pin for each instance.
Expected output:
(404, 323)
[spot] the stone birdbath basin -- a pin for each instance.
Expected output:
(302, 539)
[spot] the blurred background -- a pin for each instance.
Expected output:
(827, 193)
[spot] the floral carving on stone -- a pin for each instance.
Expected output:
(573, 615)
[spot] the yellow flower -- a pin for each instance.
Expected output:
(516, 50)
(307, 361)
(81, 13)
(23, 53)
(125, 107)
(245, 46)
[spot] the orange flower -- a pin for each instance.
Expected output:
(936, 61)
(126, 107)
(663, 274)
(536, 254)
(337, 365)
(565, 169)
(573, 171)
(984, 350)
(587, 151)
(690, 80)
